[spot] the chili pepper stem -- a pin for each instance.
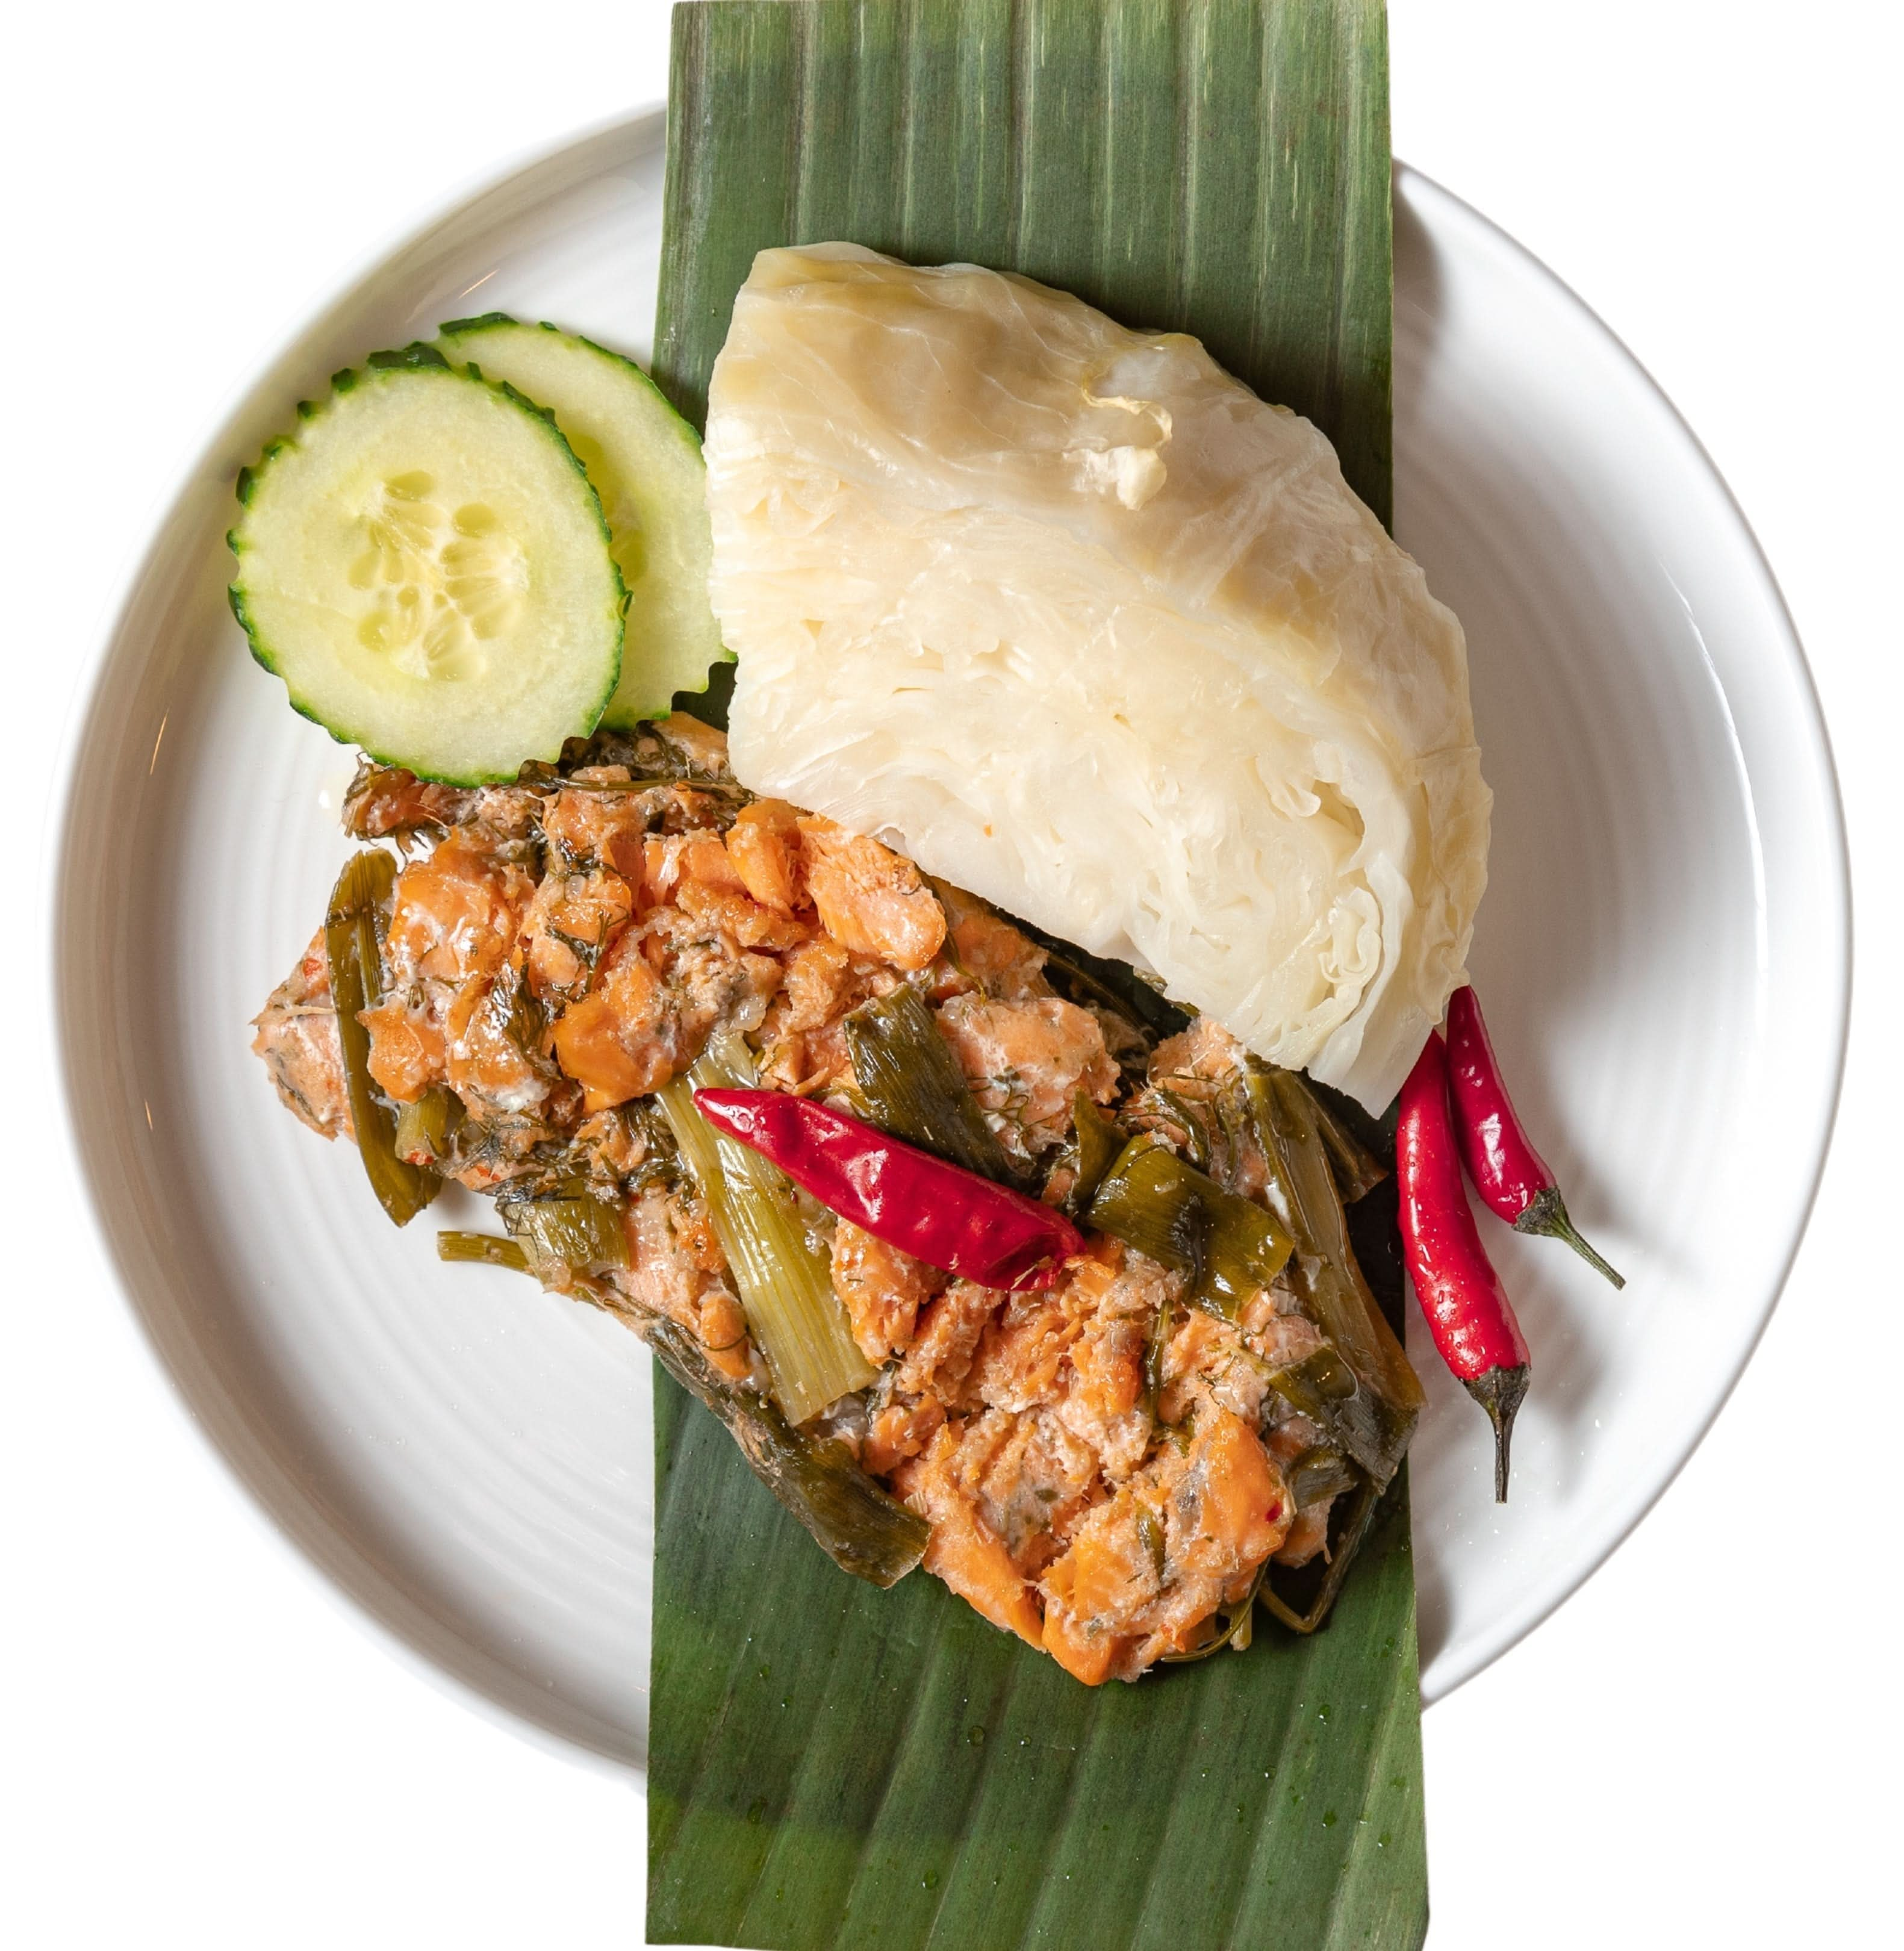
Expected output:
(1500, 1392)
(1547, 1215)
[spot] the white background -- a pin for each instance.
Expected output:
(200, 1744)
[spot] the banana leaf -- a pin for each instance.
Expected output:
(832, 1766)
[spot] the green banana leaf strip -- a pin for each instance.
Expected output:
(830, 1765)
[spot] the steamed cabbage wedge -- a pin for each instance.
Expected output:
(1081, 624)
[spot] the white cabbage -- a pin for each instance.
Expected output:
(1080, 624)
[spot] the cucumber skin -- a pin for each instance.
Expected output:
(492, 321)
(417, 355)
(462, 329)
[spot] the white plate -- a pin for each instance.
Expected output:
(1663, 949)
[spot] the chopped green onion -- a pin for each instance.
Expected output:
(482, 1250)
(784, 1278)
(1157, 1345)
(1150, 1535)
(1227, 1247)
(353, 953)
(912, 1086)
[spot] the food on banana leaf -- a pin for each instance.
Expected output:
(1086, 627)
(1114, 1465)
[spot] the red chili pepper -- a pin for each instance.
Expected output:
(940, 1213)
(1511, 1176)
(1468, 1310)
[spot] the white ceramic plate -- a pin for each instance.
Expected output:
(1663, 949)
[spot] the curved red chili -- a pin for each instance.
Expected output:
(938, 1213)
(1512, 1178)
(1468, 1310)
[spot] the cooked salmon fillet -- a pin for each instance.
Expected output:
(557, 950)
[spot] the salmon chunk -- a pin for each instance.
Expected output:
(871, 899)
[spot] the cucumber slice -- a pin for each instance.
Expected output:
(644, 460)
(425, 564)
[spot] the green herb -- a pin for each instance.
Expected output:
(1156, 1347)
(1177, 1111)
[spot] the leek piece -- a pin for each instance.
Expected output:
(1099, 1141)
(1317, 1474)
(1323, 1387)
(585, 1233)
(1225, 1247)
(425, 1128)
(354, 955)
(784, 1278)
(857, 1525)
(912, 1085)
(1324, 1269)
(1358, 1169)
(482, 1250)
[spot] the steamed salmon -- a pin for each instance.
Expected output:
(1104, 1467)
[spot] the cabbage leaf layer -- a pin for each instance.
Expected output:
(1076, 621)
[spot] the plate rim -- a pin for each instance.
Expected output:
(1841, 939)
(377, 1612)
(373, 1614)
